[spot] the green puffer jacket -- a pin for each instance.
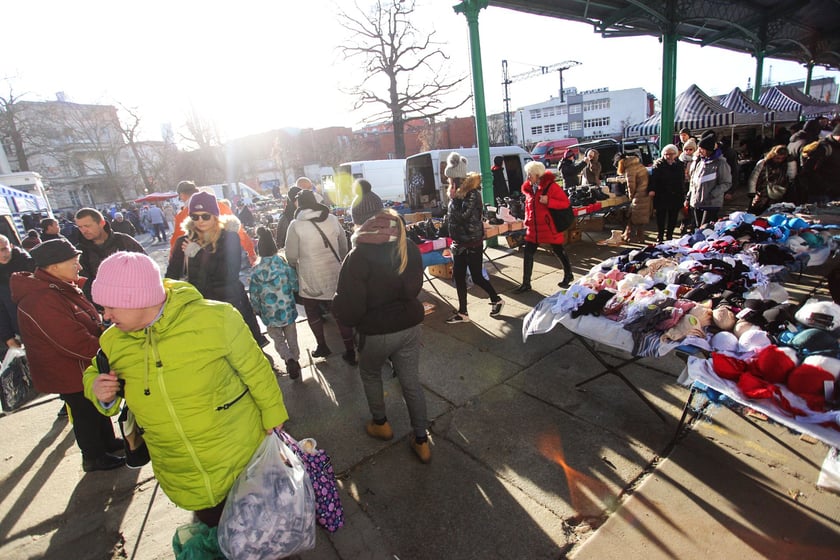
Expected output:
(200, 387)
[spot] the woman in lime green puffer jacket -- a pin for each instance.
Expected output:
(194, 378)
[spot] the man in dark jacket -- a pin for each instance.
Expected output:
(821, 169)
(49, 229)
(500, 184)
(98, 242)
(12, 259)
(571, 170)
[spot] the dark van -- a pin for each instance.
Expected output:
(646, 151)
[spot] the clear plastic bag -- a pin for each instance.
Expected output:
(270, 510)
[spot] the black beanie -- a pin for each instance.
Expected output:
(266, 247)
(708, 142)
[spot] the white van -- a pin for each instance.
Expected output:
(233, 192)
(426, 185)
(386, 176)
(23, 203)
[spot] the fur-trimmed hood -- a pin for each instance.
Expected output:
(471, 183)
(626, 163)
(229, 222)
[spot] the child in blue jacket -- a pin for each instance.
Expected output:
(272, 291)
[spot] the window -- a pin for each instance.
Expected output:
(563, 127)
(548, 112)
(596, 123)
(536, 113)
(574, 109)
(575, 125)
(75, 201)
(536, 130)
(550, 128)
(596, 104)
(562, 109)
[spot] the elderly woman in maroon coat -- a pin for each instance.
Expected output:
(60, 330)
(541, 193)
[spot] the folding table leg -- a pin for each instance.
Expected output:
(614, 371)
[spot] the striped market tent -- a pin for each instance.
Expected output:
(791, 104)
(693, 110)
(746, 110)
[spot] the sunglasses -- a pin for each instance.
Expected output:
(204, 217)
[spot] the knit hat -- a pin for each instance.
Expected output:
(381, 228)
(128, 281)
(364, 207)
(707, 142)
(456, 166)
(266, 247)
(293, 192)
(186, 187)
(203, 202)
(690, 143)
(306, 200)
(53, 251)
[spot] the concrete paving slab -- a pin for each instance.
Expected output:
(727, 490)
(545, 452)
(606, 402)
(454, 507)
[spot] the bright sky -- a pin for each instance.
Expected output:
(256, 65)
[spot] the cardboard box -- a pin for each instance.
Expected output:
(571, 236)
(441, 270)
(517, 225)
(490, 231)
(514, 240)
(503, 228)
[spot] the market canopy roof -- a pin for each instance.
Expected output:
(792, 101)
(801, 31)
(746, 110)
(693, 109)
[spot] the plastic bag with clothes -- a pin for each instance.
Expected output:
(270, 510)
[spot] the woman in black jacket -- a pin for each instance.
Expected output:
(377, 295)
(466, 228)
(209, 257)
(667, 188)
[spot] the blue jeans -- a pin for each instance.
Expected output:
(403, 348)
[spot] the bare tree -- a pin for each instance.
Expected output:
(388, 45)
(205, 164)
(129, 131)
(13, 127)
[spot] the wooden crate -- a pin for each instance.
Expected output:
(441, 270)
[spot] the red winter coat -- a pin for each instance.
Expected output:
(60, 329)
(539, 226)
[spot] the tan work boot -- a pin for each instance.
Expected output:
(422, 450)
(383, 431)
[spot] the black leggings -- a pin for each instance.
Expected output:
(531, 250)
(470, 259)
(93, 430)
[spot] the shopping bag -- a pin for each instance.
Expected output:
(328, 511)
(270, 510)
(829, 478)
(16, 388)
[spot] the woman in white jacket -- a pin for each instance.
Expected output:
(315, 246)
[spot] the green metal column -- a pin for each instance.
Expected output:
(759, 70)
(669, 88)
(810, 67)
(470, 9)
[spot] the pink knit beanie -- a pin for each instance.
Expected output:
(128, 281)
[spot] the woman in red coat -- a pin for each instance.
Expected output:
(60, 330)
(541, 193)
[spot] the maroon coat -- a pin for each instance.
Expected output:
(59, 327)
(539, 225)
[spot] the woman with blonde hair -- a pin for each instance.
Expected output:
(377, 295)
(209, 257)
(770, 180)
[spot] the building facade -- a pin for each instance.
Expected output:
(585, 115)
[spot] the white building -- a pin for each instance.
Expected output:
(586, 115)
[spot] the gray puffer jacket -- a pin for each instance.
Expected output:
(709, 179)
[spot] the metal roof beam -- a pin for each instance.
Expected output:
(759, 19)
